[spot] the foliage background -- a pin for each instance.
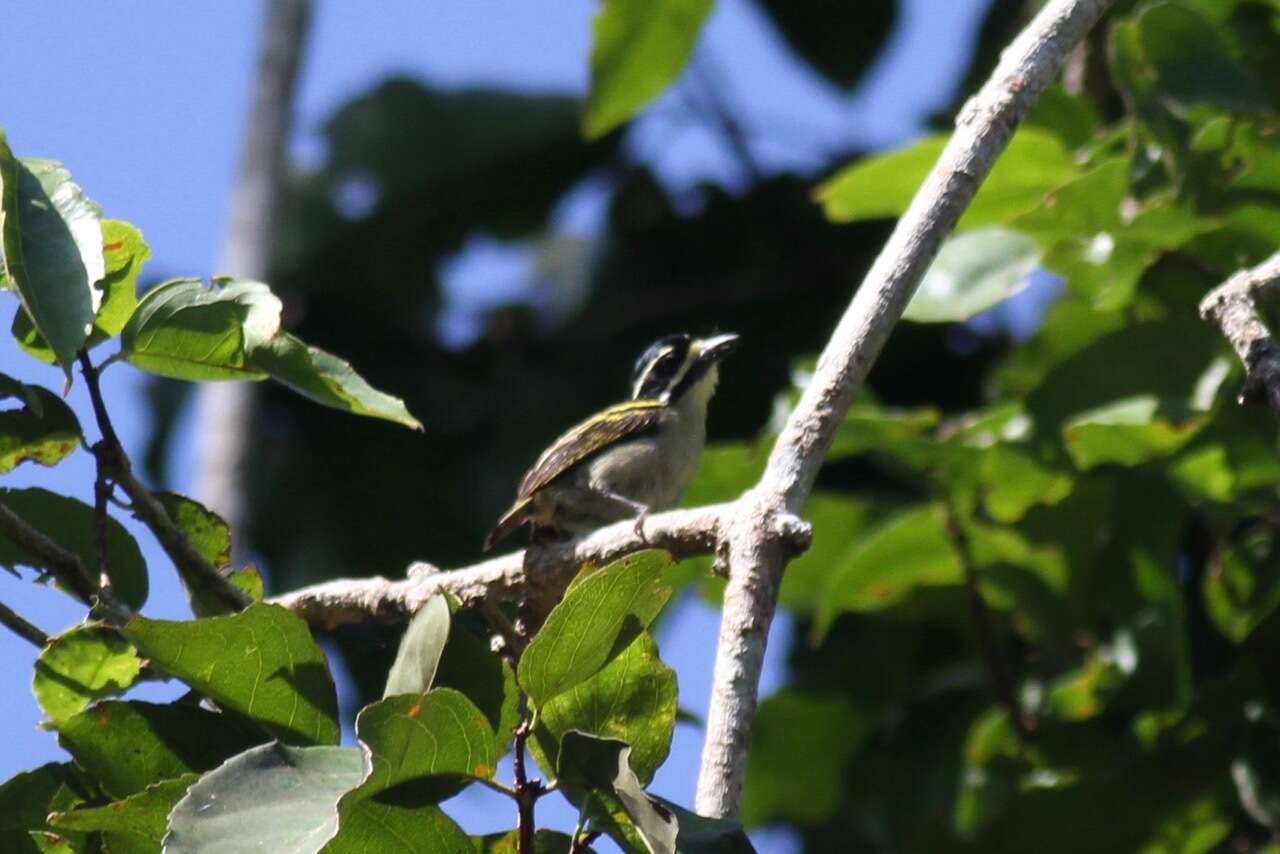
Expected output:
(436, 240)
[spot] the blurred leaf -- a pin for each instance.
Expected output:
(1072, 118)
(271, 798)
(1130, 432)
(469, 666)
(633, 698)
(1015, 481)
(52, 237)
(839, 42)
(70, 524)
(873, 428)
(326, 379)
(44, 430)
(972, 272)
(124, 253)
(83, 664)
(908, 551)
(135, 825)
(423, 642)
(638, 48)
(184, 330)
(1256, 770)
(882, 186)
(26, 799)
(127, 746)
(207, 531)
(1241, 585)
(261, 662)
(801, 745)
(603, 610)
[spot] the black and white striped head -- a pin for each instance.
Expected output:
(674, 364)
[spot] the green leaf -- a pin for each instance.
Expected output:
(840, 42)
(423, 643)
(270, 798)
(125, 252)
(411, 736)
(908, 551)
(83, 664)
(52, 237)
(135, 825)
(182, 329)
(44, 430)
(127, 746)
(600, 766)
(639, 47)
(70, 524)
(1241, 584)
(699, 834)
(1130, 432)
(544, 842)
(881, 187)
(601, 613)
(396, 828)
(1014, 481)
(26, 799)
(802, 743)
(207, 531)
(327, 380)
(973, 271)
(633, 698)
(482, 676)
(261, 662)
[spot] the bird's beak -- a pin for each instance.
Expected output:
(717, 347)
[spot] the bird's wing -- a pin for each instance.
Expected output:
(596, 433)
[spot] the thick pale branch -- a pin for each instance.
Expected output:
(756, 555)
(1232, 307)
(539, 572)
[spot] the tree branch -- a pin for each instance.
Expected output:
(756, 551)
(16, 623)
(1233, 308)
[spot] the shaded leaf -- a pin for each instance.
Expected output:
(127, 746)
(839, 42)
(271, 798)
(261, 662)
(544, 842)
(44, 430)
(638, 48)
(1130, 432)
(26, 799)
(135, 825)
(603, 610)
(83, 664)
(52, 236)
(600, 766)
(206, 530)
(973, 271)
(70, 524)
(469, 666)
(377, 825)
(414, 669)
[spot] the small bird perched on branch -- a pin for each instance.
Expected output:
(631, 458)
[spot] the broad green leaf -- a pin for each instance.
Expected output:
(270, 798)
(544, 842)
(908, 551)
(207, 531)
(801, 745)
(261, 662)
(414, 669)
(1130, 432)
(469, 666)
(83, 664)
(125, 252)
(397, 828)
(26, 799)
(411, 736)
(638, 48)
(875, 428)
(326, 379)
(44, 430)
(135, 825)
(601, 613)
(127, 746)
(633, 698)
(973, 271)
(699, 834)
(881, 187)
(70, 524)
(600, 767)
(1014, 481)
(52, 237)
(187, 331)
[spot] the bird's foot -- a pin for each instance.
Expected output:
(644, 514)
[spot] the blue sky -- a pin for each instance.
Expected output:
(146, 104)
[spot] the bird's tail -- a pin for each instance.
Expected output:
(512, 519)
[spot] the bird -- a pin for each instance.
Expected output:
(631, 458)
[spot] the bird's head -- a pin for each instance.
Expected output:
(674, 364)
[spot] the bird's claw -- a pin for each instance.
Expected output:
(639, 528)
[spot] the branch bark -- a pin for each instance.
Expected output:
(20, 626)
(226, 409)
(755, 548)
(1232, 307)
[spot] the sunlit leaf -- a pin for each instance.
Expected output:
(83, 664)
(44, 430)
(974, 270)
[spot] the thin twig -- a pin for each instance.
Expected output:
(101, 496)
(1232, 306)
(581, 837)
(755, 553)
(992, 661)
(527, 793)
(15, 623)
